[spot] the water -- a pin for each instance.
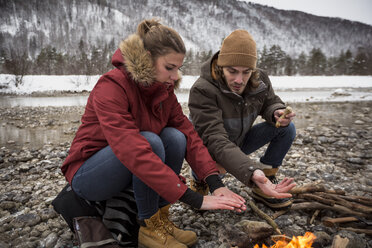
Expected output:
(16, 133)
(53, 101)
(293, 95)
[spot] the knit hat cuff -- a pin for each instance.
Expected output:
(237, 59)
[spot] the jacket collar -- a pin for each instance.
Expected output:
(137, 61)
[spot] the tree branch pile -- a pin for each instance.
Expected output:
(317, 198)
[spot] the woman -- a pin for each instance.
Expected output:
(133, 133)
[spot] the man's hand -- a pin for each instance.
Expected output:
(285, 120)
(275, 190)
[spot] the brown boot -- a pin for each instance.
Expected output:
(186, 237)
(271, 202)
(154, 234)
(198, 186)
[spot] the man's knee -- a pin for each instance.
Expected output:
(291, 129)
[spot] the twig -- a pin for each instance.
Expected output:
(278, 213)
(356, 230)
(317, 205)
(307, 189)
(345, 203)
(264, 216)
(317, 198)
(314, 216)
(359, 199)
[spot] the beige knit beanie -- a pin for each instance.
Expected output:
(238, 49)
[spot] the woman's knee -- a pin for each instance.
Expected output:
(173, 137)
(155, 142)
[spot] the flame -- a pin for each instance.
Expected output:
(297, 242)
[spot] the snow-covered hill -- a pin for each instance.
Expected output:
(70, 25)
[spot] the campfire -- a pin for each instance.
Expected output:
(296, 242)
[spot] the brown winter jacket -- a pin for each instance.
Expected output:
(222, 118)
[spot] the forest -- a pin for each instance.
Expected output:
(98, 61)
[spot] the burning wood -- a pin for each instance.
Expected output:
(281, 241)
(357, 209)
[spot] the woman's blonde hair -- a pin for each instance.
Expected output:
(159, 39)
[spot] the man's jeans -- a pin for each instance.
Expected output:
(280, 140)
(103, 176)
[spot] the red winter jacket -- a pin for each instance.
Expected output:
(124, 102)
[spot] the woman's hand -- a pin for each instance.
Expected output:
(223, 198)
(275, 190)
(211, 202)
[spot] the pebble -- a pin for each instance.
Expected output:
(333, 151)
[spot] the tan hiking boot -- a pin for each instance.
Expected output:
(186, 237)
(198, 186)
(155, 235)
(271, 202)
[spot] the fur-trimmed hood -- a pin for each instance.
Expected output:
(137, 61)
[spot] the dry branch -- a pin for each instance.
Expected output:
(317, 205)
(357, 230)
(314, 216)
(317, 198)
(260, 213)
(307, 189)
(345, 203)
(359, 199)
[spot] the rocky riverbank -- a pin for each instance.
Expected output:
(332, 148)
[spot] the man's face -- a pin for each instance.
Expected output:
(237, 77)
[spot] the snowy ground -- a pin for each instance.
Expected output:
(290, 89)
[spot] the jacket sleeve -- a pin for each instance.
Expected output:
(197, 154)
(272, 101)
(207, 119)
(130, 147)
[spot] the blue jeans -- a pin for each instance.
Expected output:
(280, 140)
(103, 176)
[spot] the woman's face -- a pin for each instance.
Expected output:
(237, 77)
(166, 67)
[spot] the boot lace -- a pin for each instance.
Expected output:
(160, 229)
(169, 226)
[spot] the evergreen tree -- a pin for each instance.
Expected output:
(301, 64)
(262, 59)
(317, 62)
(188, 62)
(276, 60)
(360, 64)
(348, 62)
(289, 66)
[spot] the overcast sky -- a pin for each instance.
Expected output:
(354, 10)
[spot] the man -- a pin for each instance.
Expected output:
(225, 101)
